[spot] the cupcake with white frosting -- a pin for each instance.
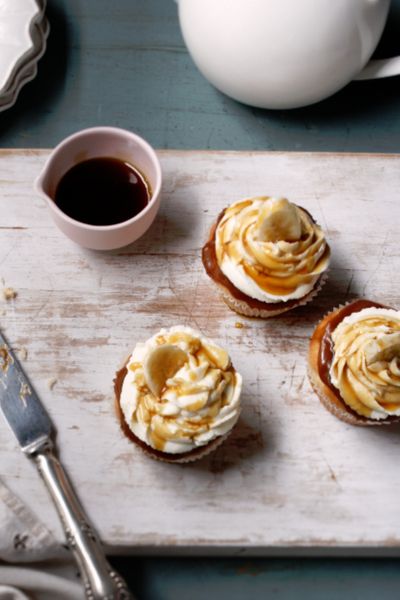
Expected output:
(267, 256)
(354, 363)
(178, 395)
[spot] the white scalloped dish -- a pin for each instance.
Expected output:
(23, 34)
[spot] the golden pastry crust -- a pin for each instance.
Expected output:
(318, 371)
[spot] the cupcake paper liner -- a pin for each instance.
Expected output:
(198, 453)
(242, 308)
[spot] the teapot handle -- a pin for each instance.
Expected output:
(383, 67)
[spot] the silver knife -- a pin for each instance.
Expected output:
(33, 429)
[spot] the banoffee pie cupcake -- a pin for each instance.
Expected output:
(266, 256)
(354, 363)
(178, 395)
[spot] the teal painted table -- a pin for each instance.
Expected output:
(124, 63)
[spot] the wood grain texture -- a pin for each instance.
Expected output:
(291, 475)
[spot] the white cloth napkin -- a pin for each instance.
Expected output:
(32, 563)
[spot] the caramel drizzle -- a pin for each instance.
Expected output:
(211, 266)
(325, 355)
(163, 427)
(277, 275)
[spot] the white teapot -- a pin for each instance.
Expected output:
(285, 53)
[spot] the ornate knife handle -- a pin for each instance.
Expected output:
(99, 578)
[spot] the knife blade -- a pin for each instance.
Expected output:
(33, 429)
(20, 404)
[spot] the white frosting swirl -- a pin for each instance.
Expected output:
(281, 267)
(198, 403)
(366, 362)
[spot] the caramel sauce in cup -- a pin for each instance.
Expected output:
(102, 186)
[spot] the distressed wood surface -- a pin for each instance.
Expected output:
(291, 476)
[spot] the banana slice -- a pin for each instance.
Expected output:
(218, 356)
(161, 364)
(279, 220)
(383, 348)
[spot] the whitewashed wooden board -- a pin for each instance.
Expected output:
(291, 478)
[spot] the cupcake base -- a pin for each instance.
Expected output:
(237, 300)
(242, 307)
(319, 360)
(183, 457)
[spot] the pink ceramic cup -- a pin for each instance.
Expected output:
(94, 143)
